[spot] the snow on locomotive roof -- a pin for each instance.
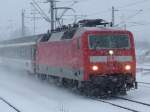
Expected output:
(102, 29)
(82, 30)
(31, 40)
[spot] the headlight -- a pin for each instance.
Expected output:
(128, 67)
(95, 68)
(111, 52)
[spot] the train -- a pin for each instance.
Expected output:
(87, 56)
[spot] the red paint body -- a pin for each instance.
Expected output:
(74, 54)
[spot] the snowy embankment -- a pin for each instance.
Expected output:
(32, 95)
(5, 108)
(29, 94)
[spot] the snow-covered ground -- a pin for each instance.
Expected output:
(5, 108)
(29, 94)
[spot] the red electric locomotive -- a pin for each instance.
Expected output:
(91, 58)
(87, 56)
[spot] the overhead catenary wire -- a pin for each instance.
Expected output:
(130, 17)
(136, 25)
(74, 2)
(40, 11)
(134, 3)
(121, 7)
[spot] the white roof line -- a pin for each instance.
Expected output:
(18, 44)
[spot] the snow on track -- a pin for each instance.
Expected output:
(131, 105)
(31, 95)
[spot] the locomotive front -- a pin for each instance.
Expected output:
(109, 60)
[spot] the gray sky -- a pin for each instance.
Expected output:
(135, 14)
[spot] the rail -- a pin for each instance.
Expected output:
(10, 105)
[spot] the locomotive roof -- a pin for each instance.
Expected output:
(82, 30)
(33, 39)
(101, 29)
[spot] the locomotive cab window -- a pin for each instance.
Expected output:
(109, 41)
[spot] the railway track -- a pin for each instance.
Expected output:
(138, 102)
(128, 101)
(116, 105)
(143, 83)
(10, 105)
